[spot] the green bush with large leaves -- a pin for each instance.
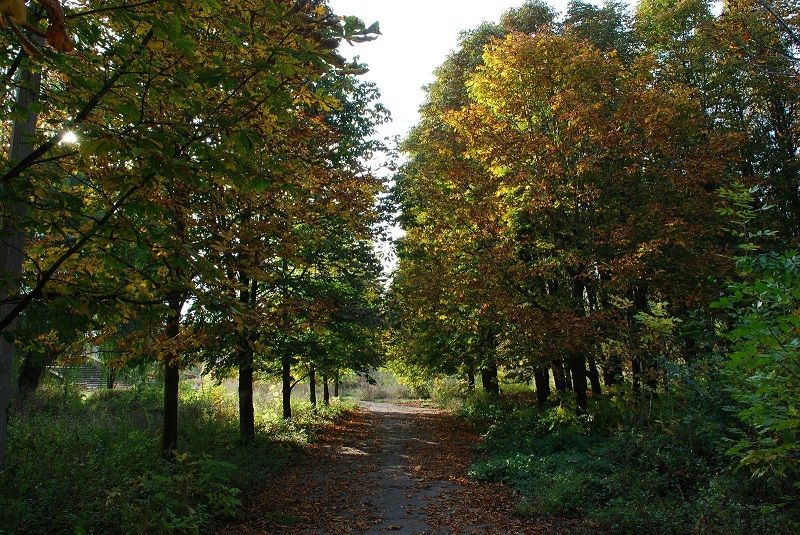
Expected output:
(764, 361)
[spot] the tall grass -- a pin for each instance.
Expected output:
(82, 463)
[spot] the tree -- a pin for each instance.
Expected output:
(12, 237)
(441, 194)
(156, 91)
(607, 28)
(557, 181)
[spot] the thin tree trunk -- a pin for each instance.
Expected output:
(594, 373)
(336, 386)
(563, 383)
(578, 367)
(286, 378)
(111, 380)
(12, 237)
(594, 378)
(651, 374)
(568, 377)
(312, 387)
(636, 372)
(489, 380)
(542, 378)
(247, 425)
(326, 393)
(169, 437)
(637, 362)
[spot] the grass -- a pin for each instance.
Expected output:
(382, 385)
(91, 464)
(621, 473)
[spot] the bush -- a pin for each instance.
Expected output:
(670, 475)
(92, 465)
(764, 363)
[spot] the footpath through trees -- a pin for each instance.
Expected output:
(388, 468)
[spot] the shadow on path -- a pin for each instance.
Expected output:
(388, 468)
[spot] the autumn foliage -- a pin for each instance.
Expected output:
(579, 194)
(192, 190)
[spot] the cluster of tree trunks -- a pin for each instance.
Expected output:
(288, 382)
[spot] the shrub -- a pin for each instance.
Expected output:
(92, 465)
(669, 475)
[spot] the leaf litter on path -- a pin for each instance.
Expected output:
(388, 468)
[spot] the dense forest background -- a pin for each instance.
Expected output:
(604, 204)
(599, 270)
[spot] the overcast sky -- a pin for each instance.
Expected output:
(417, 36)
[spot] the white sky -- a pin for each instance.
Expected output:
(417, 37)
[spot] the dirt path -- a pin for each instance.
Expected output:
(388, 468)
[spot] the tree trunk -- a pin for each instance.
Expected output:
(612, 367)
(312, 387)
(562, 381)
(577, 361)
(336, 386)
(542, 378)
(489, 380)
(636, 372)
(568, 377)
(578, 367)
(612, 370)
(326, 393)
(471, 380)
(286, 377)
(651, 374)
(637, 361)
(247, 425)
(12, 238)
(111, 380)
(169, 437)
(30, 376)
(594, 378)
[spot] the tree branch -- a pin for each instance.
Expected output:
(781, 21)
(48, 274)
(76, 14)
(32, 158)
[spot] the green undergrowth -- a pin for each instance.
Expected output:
(660, 470)
(91, 464)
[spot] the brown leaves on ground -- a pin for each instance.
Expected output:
(339, 486)
(472, 507)
(323, 490)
